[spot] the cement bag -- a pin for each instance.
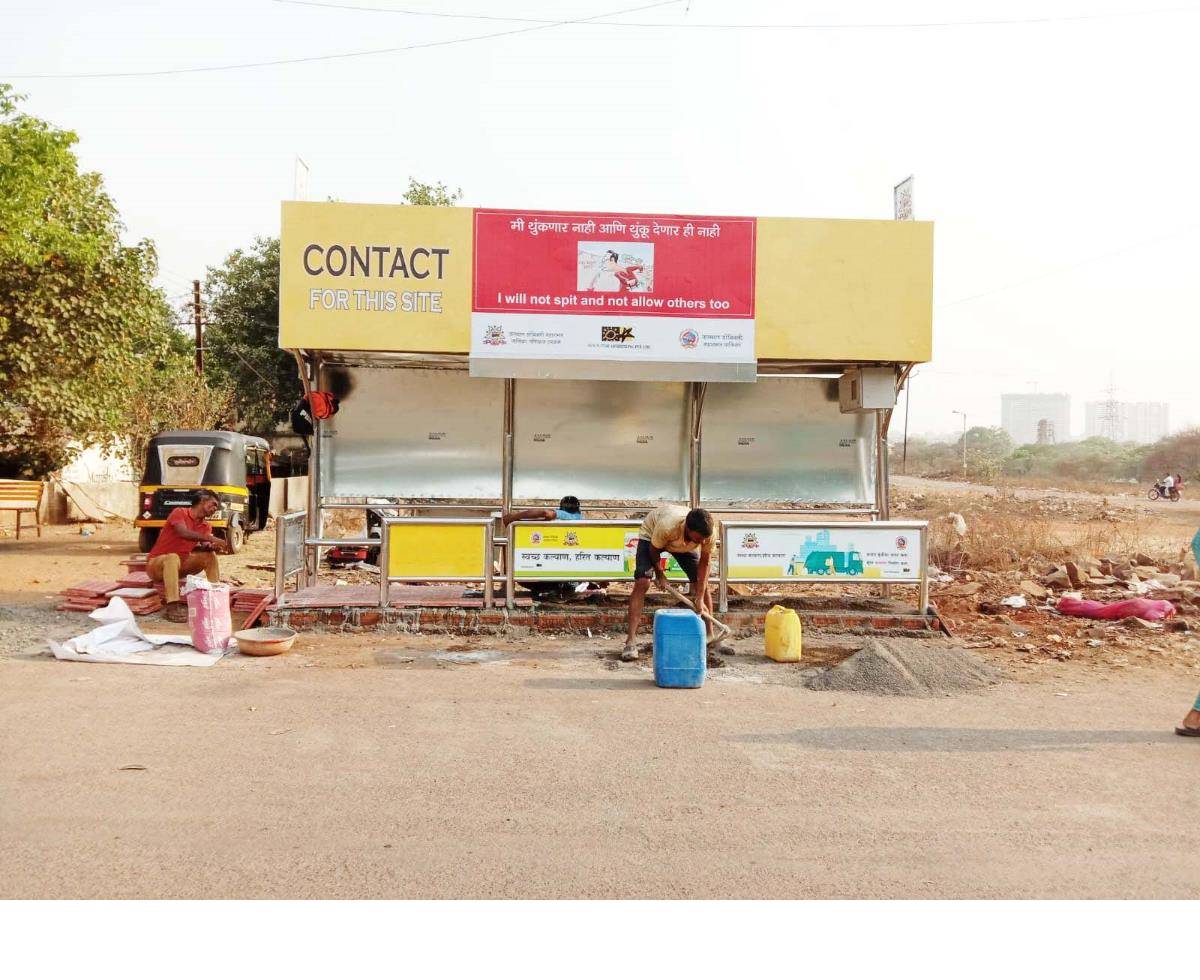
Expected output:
(208, 614)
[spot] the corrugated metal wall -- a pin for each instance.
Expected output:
(424, 433)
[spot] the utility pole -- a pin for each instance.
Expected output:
(1111, 426)
(199, 334)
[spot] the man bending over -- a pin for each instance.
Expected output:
(687, 535)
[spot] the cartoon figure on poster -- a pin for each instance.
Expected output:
(819, 557)
(618, 267)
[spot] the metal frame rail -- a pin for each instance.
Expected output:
(488, 576)
(285, 527)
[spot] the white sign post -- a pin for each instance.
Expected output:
(300, 186)
(902, 199)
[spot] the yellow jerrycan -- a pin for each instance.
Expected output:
(783, 634)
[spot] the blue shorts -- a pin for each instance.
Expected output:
(648, 557)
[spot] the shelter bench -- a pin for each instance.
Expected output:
(21, 496)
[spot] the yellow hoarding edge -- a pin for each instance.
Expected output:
(378, 277)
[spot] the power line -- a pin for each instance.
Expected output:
(846, 26)
(349, 54)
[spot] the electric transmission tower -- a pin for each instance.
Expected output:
(1111, 424)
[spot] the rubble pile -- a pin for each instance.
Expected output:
(1015, 610)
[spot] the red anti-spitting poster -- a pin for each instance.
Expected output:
(590, 286)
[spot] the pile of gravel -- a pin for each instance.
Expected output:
(24, 629)
(907, 668)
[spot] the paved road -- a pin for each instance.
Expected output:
(363, 775)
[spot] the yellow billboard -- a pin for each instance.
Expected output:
(839, 290)
(403, 278)
(375, 277)
(437, 551)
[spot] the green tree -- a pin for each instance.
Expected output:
(177, 399)
(436, 195)
(79, 314)
(989, 441)
(242, 337)
(1179, 453)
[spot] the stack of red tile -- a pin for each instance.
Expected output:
(140, 580)
(86, 596)
(252, 602)
(143, 605)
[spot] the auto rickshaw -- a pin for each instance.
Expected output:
(236, 467)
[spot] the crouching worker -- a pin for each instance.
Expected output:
(185, 544)
(567, 510)
(687, 535)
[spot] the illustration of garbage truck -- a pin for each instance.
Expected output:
(832, 563)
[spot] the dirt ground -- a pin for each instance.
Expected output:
(393, 765)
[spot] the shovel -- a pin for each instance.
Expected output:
(720, 630)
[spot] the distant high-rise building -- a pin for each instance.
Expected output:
(1021, 415)
(1140, 422)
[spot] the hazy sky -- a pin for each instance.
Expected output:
(1058, 157)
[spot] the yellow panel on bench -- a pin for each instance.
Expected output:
(436, 551)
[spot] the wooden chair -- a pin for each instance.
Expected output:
(21, 496)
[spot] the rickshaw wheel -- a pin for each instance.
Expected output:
(235, 537)
(147, 536)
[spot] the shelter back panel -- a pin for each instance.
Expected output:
(783, 440)
(600, 440)
(413, 433)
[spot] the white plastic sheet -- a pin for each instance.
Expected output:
(119, 640)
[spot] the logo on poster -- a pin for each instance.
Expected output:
(571, 539)
(493, 336)
(901, 543)
(750, 540)
(535, 538)
(616, 335)
(689, 339)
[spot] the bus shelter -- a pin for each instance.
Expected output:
(487, 359)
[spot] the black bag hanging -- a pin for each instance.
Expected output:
(302, 420)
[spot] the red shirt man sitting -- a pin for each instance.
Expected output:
(176, 550)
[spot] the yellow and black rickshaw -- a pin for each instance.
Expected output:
(236, 467)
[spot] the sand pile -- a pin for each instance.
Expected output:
(908, 668)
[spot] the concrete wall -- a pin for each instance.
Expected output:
(289, 493)
(106, 498)
(120, 497)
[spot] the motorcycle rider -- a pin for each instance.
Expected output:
(1168, 486)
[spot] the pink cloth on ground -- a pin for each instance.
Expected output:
(1152, 609)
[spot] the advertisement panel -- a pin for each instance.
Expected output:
(845, 552)
(436, 551)
(373, 277)
(385, 277)
(574, 551)
(577, 286)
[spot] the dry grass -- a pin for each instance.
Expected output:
(1004, 533)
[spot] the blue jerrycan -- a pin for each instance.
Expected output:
(679, 648)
